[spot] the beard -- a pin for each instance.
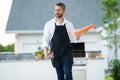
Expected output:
(58, 15)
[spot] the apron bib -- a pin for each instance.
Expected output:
(61, 47)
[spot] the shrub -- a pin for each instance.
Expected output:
(39, 52)
(108, 77)
(115, 69)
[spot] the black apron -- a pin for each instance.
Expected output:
(61, 47)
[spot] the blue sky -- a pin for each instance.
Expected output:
(5, 38)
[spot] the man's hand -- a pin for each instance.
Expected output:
(78, 38)
(46, 53)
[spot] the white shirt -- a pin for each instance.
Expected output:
(50, 28)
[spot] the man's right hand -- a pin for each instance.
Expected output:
(46, 55)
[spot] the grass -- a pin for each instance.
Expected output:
(108, 77)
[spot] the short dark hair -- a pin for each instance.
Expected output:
(62, 5)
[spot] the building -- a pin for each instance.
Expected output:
(27, 19)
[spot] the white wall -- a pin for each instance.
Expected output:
(105, 52)
(28, 42)
(92, 41)
(27, 70)
(24, 41)
(109, 53)
(43, 70)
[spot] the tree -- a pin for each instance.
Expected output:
(9, 48)
(110, 23)
(1, 48)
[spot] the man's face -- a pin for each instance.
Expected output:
(59, 12)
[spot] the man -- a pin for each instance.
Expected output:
(59, 33)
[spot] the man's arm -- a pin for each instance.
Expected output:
(46, 38)
(73, 37)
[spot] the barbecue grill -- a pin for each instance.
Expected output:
(79, 54)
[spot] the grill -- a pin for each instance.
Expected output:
(79, 54)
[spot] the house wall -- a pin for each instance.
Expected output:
(26, 43)
(105, 52)
(92, 41)
(30, 42)
(109, 53)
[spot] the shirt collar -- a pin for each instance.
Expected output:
(64, 22)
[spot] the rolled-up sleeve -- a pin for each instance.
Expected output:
(46, 36)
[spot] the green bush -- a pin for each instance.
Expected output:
(39, 52)
(7, 48)
(1, 48)
(115, 69)
(108, 77)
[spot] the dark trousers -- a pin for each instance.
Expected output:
(64, 71)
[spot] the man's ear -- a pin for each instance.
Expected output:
(64, 11)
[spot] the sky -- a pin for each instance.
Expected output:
(5, 38)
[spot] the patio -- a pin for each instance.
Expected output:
(27, 70)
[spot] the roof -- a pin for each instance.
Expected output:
(31, 15)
